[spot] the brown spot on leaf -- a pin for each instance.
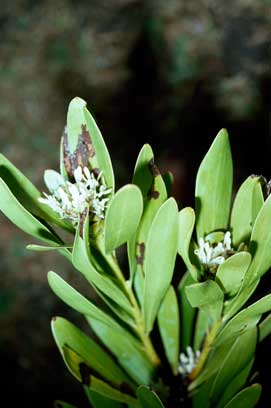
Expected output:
(153, 193)
(153, 168)
(83, 152)
(140, 257)
(54, 318)
(85, 372)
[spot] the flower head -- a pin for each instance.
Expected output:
(188, 361)
(70, 199)
(211, 256)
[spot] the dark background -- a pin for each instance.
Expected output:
(171, 73)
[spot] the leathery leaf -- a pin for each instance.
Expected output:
(162, 240)
(66, 334)
(214, 187)
(148, 398)
(247, 204)
(17, 214)
(122, 216)
(186, 227)
(169, 326)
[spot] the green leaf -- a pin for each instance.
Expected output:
(169, 327)
(84, 373)
(234, 304)
(246, 318)
(76, 301)
(148, 398)
(27, 194)
(81, 124)
(17, 214)
(104, 283)
(247, 398)
(239, 357)
(128, 351)
(230, 273)
(122, 216)
(235, 385)
(162, 240)
(148, 179)
(75, 120)
(101, 157)
(187, 312)
(100, 401)
(221, 351)
(265, 328)
(203, 322)
(168, 180)
(186, 226)
(214, 187)
(247, 204)
(120, 342)
(66, 334)
(260, 244)
(44, 248)
(206, 296)
(62, 404)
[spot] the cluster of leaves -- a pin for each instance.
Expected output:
(202, 312)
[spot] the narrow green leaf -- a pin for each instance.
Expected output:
(214, 187)
(260, 244)
(83, 133)
(187, 312)
(220, 352)
(17, 214)
(168, 180)
(203, 322)
(104, 283)
(128, 351)
(100, 401)
(247, 203)
(265, 328)
(234, 304)
(77, 301)
(247, 398)
(246, 318)
(120, 342)
(101, 158)
(75, 120)
(230, 273)
(240, 355)
(66, 334)
(206, 296)
(122, 217)
(84, 373)
(44, 248)
(148, 398)
(62, 404)
(235, 385)
(149, 180)
(27, 194)
(169, 327)
(162, 240)
(186, 227)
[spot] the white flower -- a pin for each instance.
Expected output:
(70, 199)
(213, 256)
(188, 361)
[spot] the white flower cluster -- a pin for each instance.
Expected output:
(70, 199)
(188, 361)
(213, 256)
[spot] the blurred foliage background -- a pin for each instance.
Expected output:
(170, 73)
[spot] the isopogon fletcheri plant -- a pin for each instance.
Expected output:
(163, 345)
